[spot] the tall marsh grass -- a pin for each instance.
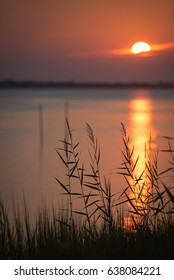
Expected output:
(103, 230)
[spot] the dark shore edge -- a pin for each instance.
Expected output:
(13, 84)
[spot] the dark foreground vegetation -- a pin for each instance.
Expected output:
(49, 239)
(103, 231)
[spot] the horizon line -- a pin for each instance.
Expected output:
(13, 83)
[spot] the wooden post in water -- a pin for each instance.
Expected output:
(41, 131)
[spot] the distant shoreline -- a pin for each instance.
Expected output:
(12, 84)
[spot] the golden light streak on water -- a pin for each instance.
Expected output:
(141, 131)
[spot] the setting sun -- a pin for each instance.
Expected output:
(140, 47)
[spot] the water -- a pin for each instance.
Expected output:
(28, 169)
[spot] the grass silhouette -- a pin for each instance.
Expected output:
(102, 231)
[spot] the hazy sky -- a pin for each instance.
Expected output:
(74, 39)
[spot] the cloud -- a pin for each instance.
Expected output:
(163, 46)
(122, 51)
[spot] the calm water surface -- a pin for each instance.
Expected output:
(26, 168)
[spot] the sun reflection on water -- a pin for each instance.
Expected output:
(141, 132)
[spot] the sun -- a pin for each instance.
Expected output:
(140, 47)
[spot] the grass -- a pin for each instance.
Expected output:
(103, 230)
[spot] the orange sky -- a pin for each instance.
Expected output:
(40, 38)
